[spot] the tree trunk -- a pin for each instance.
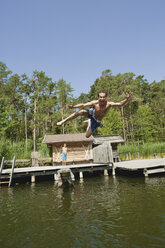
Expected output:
(26, 137)
(122, 115)
(34, 129)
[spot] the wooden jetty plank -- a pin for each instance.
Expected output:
(12, 171)
(140, 164)
(154, 171)
(45, 168)
(52, 170)
(2, 165)
(34, 172)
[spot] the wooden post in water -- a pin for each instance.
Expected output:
(2, 165)
(145, 172)
(81, 174)
(33, 179)
(55, 177)
(12, 171)
(113, 169)
(106, 173)
(110, 158)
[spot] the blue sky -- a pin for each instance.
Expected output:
(78, 39)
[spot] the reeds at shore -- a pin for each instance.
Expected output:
(142, 151)
(21, 150)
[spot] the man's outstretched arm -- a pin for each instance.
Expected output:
(128, 98)
(81, 105)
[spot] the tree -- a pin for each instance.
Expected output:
(157, 100)
(111, 124)
(38, 85)
(64, 97)
(4, 104)
(144, 128)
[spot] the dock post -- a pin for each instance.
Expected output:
(33, 179)
(72, 176)
(145, 172)
(2, 165)
(113, 169)
(81, 174)
(12, 171)
(55, 177)
(105, 172)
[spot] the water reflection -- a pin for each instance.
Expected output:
(98, 212)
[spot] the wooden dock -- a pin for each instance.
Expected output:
(35, 171)
(142, 166)
(146, 166)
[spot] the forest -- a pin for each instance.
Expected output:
(30, 107)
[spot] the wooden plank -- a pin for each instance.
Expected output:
(12, 171)
(18, 161)
(154, 171)
(140, 163)
(51, 168)
(2, 165)
(79, 150)
(103, 153)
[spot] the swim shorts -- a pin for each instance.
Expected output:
(64, 156)
(94, 123)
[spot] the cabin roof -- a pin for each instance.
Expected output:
(62, 138)
(80, 137)
(112, 138)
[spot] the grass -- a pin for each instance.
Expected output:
(9, 149)
(145, 151)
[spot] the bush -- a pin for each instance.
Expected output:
(5, 149)
(10, 149)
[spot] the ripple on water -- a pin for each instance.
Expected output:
(121, 212)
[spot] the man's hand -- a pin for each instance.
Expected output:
(129, 96)
(69, 106)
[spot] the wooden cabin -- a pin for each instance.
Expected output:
(97, 149)
(79, 148)
(110, 140)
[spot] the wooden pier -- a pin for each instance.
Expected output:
(145, 166)
(36, 171)
(82, 158)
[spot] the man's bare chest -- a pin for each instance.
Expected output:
(100, 111)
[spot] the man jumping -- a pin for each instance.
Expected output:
(99, 109)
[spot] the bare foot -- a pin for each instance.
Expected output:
(60, 123)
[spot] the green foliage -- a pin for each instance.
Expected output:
(144, 123)
(44, 150)
(111, 124)
(38, 103)
(9, 149)
(4, 149)
(145, 150)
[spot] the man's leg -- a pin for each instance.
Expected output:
(88, 131)
(73, 116)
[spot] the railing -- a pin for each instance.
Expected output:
(6, 179)
(24, 162)
(12, 171)
(2, 165)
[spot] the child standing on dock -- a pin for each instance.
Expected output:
(64, 154)
(95, 114)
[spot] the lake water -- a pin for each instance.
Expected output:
(98, 212)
